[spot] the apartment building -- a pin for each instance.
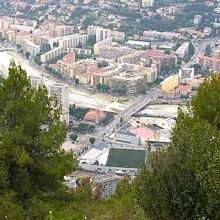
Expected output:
(46, 57)
(161, 35)
(132, 78)
(113, 53)
(79, 51)
(105, 185)
(97, 46)
(72, 41)
(32, 48)
(183, 50)
(186, 74)
(211, 63)
(76, 68)
(147, 3)
(104, 33)
(170, 83)
(60, 92)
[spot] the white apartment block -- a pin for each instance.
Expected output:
(72, 41)
(104, 33)
(46, 57)
(147, 3)
(186, 74)
(36, 81)
(105, 185)
(183, 50)
(97, 46)
(32, 48)
(60, 92)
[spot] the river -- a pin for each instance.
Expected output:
(80, 96)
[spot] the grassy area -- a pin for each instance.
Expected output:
(128, 158)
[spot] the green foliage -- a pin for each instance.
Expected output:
(103, 64)
(92, 140)
(32, 161)
(73, 137)
(206, 105)
(82, 56)
(102, 87)
(59, 57)
(77, 112)
(53, 71)
(108, 117)
(77, 81)
(45, 48)
(55, 44)
(99, 86)
(83, 128)
(167, 51)
(1, 79)
(182, 180)
(120, 91)
(27, 54)
(121, 206)
(37, 59)
(91, 40)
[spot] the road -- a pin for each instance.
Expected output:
(200, 46)
(126, 114)
(103, 133)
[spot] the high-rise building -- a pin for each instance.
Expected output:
(105, 185)
(36, 81)
(60, 92)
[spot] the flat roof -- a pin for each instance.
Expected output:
(127, 158)
(138, 43)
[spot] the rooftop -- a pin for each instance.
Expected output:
(143, 132)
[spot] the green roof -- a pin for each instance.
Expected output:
(127, 158)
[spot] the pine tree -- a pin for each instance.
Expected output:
(32, 163)
(182, 181)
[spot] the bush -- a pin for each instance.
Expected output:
(92, 140)
(73, 137)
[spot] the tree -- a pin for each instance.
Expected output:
(99, 86)
(103, 64)
(206, 105)
(77, 81)
(167, 51)
(18, 46)
(55, 44)
(92, 140)
(1, 79)
(182, 180)
(32, 163)
(91, 40)
(27, 54)
(105, 88)
(79, 45)
(73, 137)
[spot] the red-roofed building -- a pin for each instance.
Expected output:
(166, 60)
(144, 133)
(211, 63)
(95, 116)
(69, 58)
